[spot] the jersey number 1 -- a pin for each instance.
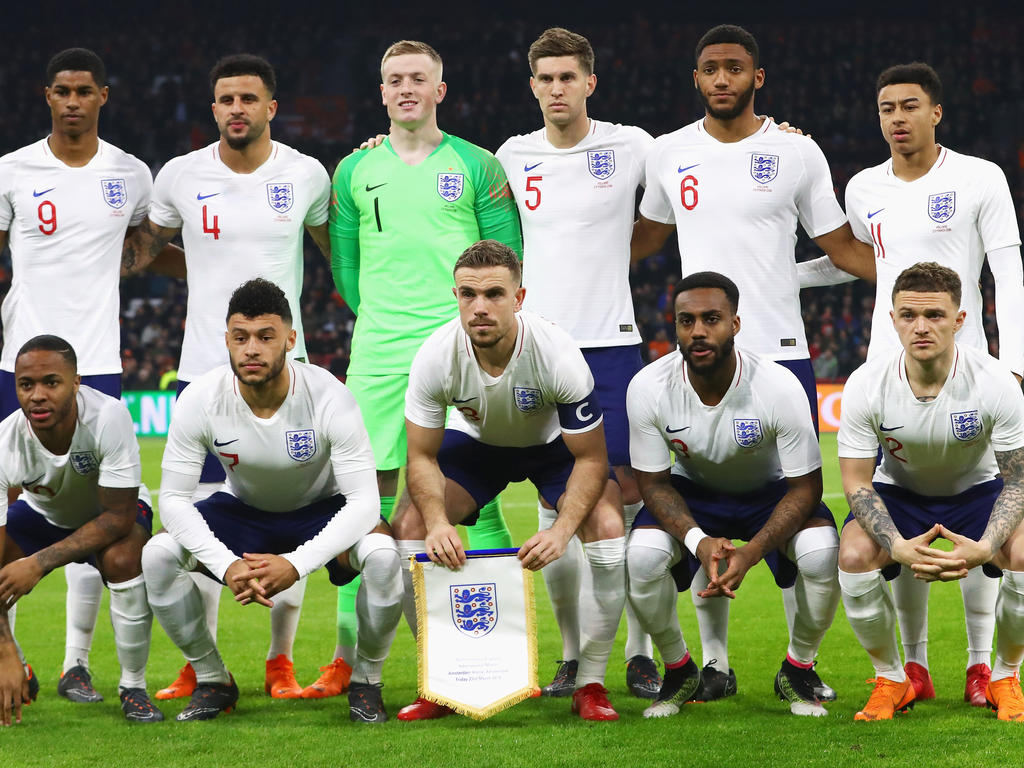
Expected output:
(207, 229)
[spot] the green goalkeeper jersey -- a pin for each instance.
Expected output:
(396, 232)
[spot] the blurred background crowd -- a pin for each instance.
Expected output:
(820, 64)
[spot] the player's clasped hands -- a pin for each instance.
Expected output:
(715, 553)
(258, 577)
(540, 549)
(444, 547)
(927, 562)
(17, 579)
(966, 554)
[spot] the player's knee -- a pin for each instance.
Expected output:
(121, 561)
(161, 561)
(604, 522)
(857, 557)
(645, 564)
(817, 553)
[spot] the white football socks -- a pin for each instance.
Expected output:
(816, 591)
(638, 642)
(910, 596)
(979, 594)
(85, 590)
(378, 604)
(132, 621)
(652, 590)
(1010, 620)
(407, 548)
(601, 607)
(564, 581)
(712, 623)
(284, 619)
(872, 616)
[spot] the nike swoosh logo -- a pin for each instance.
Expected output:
(375, 186)
(456, 400)
(529, 168)
(673, 431)
(226, 442)
(883, 428)
(40, 194)
(878, 211)
(204, 197)
(682, 170)
(365, 717)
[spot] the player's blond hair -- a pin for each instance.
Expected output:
(491, 253)
(404, 47)
(929, 277)
(558, 41)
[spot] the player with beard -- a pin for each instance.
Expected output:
(747, 466)
(734, 190)
(241, 205)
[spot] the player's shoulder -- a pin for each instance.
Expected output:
(873, 374)
(442, 337)
(868, 177)
(120, 157)
(189, 162)
(21, 155)
(206, 388)
(972, 166)
(522, 142)
(470, 153)
(766, 375)
(294, 157)
(982, 364)
(99, 409)
(656, 376)
(11, 427)
(545, 331)
(688, 134)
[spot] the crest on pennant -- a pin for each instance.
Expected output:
(301, 443)
(280, 196)
(115, 192)
(84, 462)
(474, 608)
(450, 185)
(941, 207)
(528, 399)
(966, 425)
(601, 163)
(747, 432)
(764, 168)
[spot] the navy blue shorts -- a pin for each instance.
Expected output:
(966, 513)
(32, 532)
(804, 371)
(738, 516)
(107, 383)
(213, 470)
(485, 470)
(613, 369)
(242, 528)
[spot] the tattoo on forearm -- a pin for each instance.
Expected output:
(1008, 509)
(91, 537)
(869, 509)
(143, 246)
(783, 523)
(669, 508)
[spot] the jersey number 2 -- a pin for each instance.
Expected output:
(47, 217)
(207, 229)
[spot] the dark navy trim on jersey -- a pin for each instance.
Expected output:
(581, 416)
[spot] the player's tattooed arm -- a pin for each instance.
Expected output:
(803, 494)
(665, 503)
(143, 245)
(321, 236)
(869, 509)
(1008, 509)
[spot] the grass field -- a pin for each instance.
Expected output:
(750, 728)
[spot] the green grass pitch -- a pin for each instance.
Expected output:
(752, 727)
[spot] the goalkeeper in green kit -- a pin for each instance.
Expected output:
(400, 216)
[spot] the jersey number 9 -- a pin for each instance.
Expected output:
(47, 217)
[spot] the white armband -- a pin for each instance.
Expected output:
(693, 537)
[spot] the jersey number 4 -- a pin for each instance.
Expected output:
(47, 217)
(207, 229)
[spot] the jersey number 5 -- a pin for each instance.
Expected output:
(532, 187)
(207, 229)
(688, 192)
(47, 217)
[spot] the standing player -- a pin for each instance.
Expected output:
(400, 215)
(734, 190)
(949, 419)
(241, 205)
(525, 409)
(73, 451)
(300, 494)
(575, 182)
(956, 209)
(747, 466)
(66, 203)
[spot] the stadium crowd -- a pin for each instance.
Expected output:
(819, 77)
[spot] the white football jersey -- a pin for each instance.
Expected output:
(309, 450)
(577, 206)
(736, 207)
(937, 448)
(954, 214)
(760, 432)
(66, 229)
(235, 227)
(545, 389)
(63, 489)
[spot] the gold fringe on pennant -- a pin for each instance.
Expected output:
(477, 713)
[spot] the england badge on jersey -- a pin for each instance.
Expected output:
(528, 399)
(747, 432)
(941, 207)
(84, 462)
(966, 425)
(449, 186)
(474, 608)
(280, 196)
(601, 163)
(764, 168)
(115, 192)
(301, 443)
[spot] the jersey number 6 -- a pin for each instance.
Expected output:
(688, 192)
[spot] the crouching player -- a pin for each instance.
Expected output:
(301, 493)
(524, 408)
(747, 466)
(950, 423)
(73, 451)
